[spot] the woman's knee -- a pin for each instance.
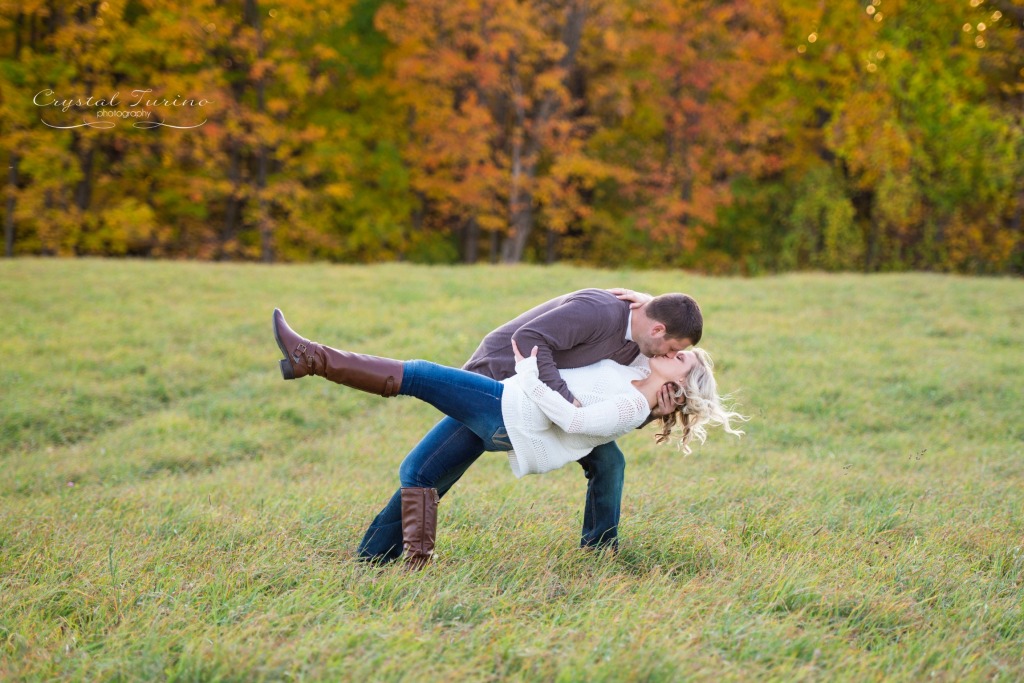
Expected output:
(409, 474)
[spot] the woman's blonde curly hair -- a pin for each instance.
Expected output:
(697, 405)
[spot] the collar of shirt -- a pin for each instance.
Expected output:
(629, 326)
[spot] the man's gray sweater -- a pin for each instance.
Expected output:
(569, 331)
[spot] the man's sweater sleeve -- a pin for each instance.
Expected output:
(579, 320)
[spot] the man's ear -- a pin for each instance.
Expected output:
(657, 330)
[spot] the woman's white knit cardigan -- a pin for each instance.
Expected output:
(548, 432)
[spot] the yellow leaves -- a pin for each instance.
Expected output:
(324, 52)
(588, 171)
(612, 41)
(294, 76)
(502, 44)
(262, 68)
(341, 191)
(898, 203)
(320, 84)
(278, 106)
(27, 7)
(866, 135)
(978, 243)
(549, 81)
(125, 226)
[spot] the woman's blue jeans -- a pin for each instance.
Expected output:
(474, 425)
(471, 399)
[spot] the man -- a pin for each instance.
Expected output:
(569, 331)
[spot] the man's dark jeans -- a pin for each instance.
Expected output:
(447, 451)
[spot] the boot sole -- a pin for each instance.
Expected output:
(286, 365)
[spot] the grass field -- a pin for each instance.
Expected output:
(171, 509)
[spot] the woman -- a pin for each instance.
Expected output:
(522, 416)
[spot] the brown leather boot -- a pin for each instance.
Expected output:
(419, 525)
(303, 357)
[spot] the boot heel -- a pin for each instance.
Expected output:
(286, 369)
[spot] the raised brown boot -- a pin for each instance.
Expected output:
(419, 525)
(303, 357)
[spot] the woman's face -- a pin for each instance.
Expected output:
(674, 366)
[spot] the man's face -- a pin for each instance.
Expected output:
(655, 343)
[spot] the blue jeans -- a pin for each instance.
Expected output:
(474, 425)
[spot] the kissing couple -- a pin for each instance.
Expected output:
(557, 384)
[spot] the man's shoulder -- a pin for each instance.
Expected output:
(583, 308)
(597, 310)
(600, 300)
(602, 296)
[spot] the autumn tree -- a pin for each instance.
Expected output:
(726, 136)
(493, 93)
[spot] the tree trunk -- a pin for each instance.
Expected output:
(419, 211)
(872, 246)
(493, 255)
(19, 22)
(266, 228)
(48, 203)
(263, 220)
(1017, 222)
(525, 151)
(471, 241)
(12, 181)
(522, 224)
(552, 251)
(83, 192)
(1017, 227)
(239, 163)
(234, 201)
(520, 202)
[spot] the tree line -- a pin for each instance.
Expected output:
(728, 136)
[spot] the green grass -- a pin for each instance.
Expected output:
(170, 509)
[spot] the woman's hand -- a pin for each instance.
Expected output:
(635, 299)
(519, 356)
(666, 401)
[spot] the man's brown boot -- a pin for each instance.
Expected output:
(303, 357)
(419, 525)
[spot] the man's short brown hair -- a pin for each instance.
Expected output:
(680, 315)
